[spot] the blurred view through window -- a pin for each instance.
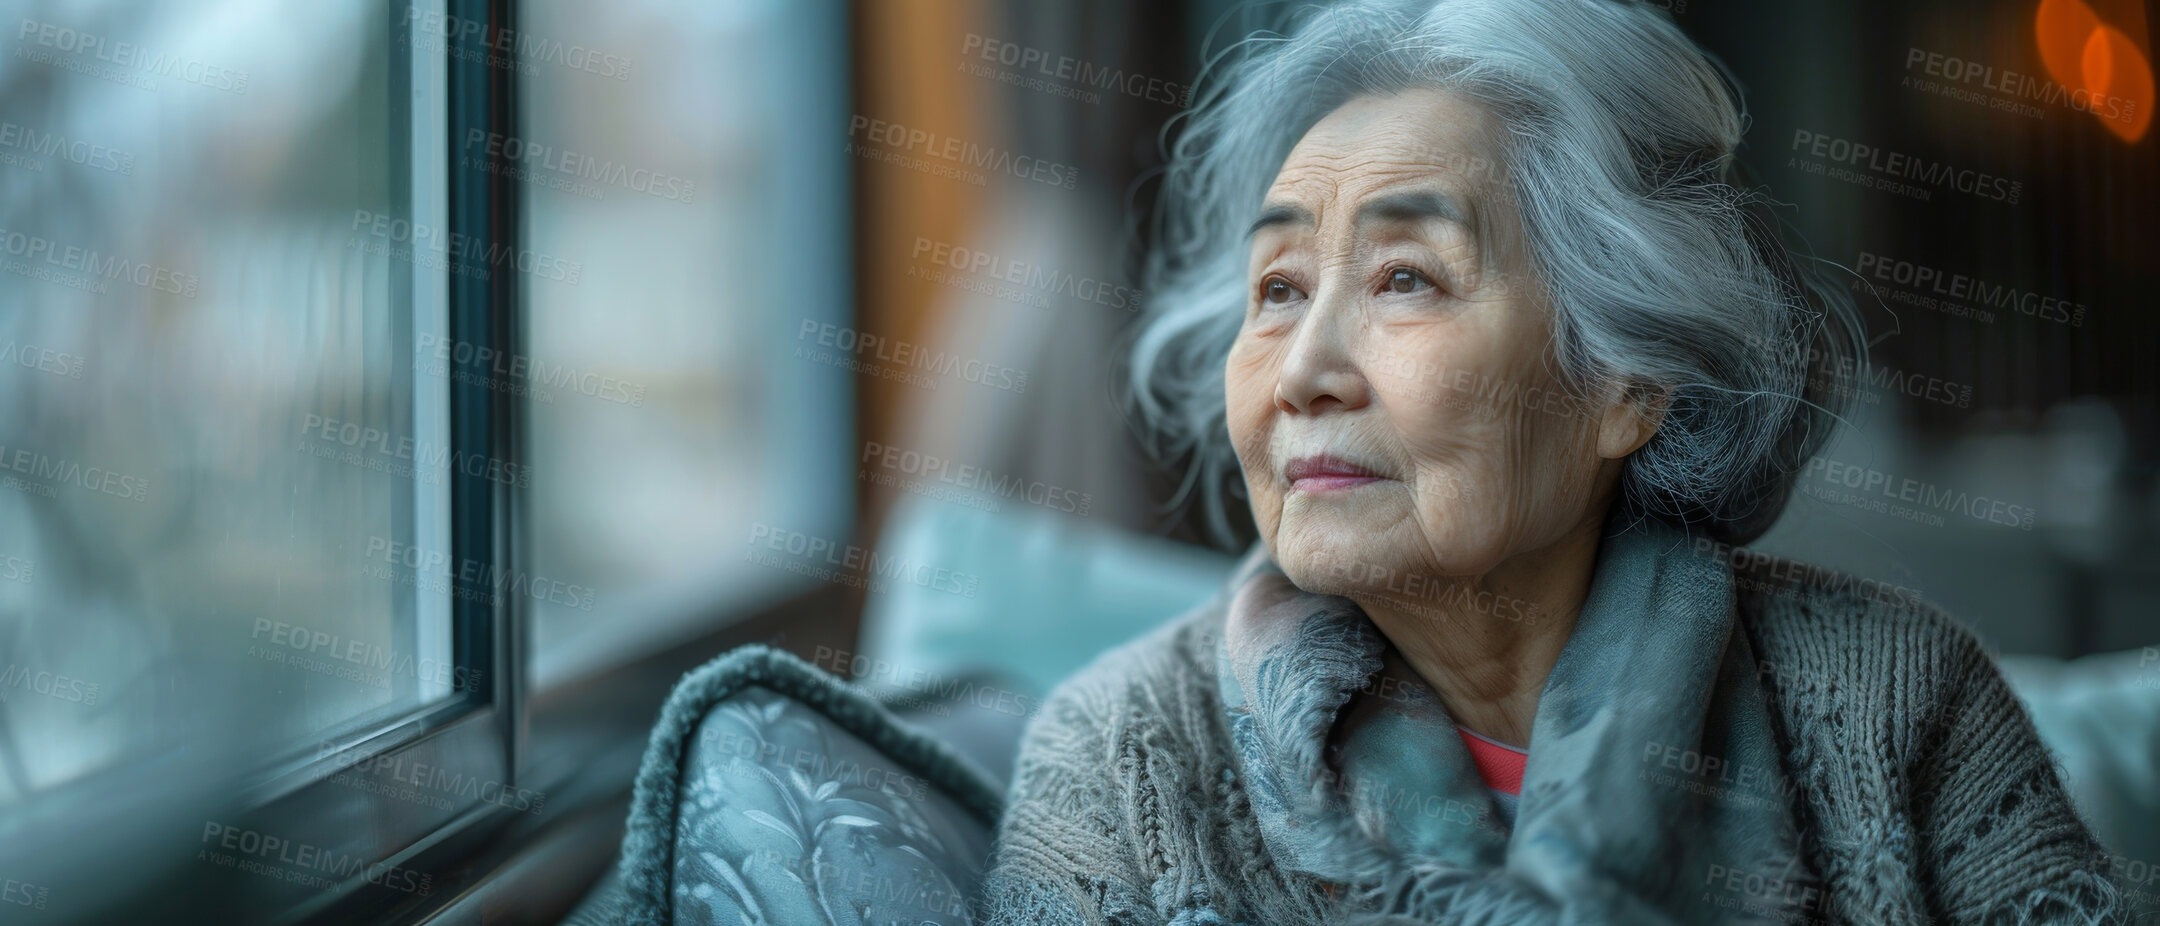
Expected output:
(691, 162)
(217, 467)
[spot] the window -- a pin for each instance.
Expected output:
(218, 463)
(328, 443)
(673, 410)
(226, 524)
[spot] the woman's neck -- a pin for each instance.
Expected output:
(1486, 643)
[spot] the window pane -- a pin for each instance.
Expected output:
(670, 417)
(218, 506)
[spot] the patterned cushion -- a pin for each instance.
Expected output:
(773, 793)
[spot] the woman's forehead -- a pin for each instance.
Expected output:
(1378, 141)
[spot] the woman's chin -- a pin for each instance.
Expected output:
(1334, 558)
(1332, 554)
(1335, 527)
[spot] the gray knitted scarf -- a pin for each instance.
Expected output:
(1653, 778)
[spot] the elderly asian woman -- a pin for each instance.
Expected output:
(1509, 359)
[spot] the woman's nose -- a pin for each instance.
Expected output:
(1320, 372)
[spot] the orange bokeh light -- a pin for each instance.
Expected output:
(2062, 28)
(2081, 53)
(2113, 67)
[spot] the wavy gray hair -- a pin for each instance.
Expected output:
(1666, 272)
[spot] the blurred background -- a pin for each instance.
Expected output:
(438, 381)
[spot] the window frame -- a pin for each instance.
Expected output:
(477, 731)
(168, 804)
(476, 853)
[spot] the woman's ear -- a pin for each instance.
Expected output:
(1631, 419)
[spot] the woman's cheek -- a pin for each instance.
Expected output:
(1240, 369)
(1551, 477)
(1248, 394)
(1465, 518)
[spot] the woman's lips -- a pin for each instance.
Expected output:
(1323, 473)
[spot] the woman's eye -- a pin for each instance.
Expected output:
(1278, 291)
(1404, 280)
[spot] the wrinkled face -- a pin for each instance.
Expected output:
(1391, 393)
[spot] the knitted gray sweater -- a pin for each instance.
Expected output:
(1922, 790)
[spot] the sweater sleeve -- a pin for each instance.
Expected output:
(2002, 840)
(1061, 858)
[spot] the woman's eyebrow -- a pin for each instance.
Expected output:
(1393, 209)
(1411, 208)
(1275, 215)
